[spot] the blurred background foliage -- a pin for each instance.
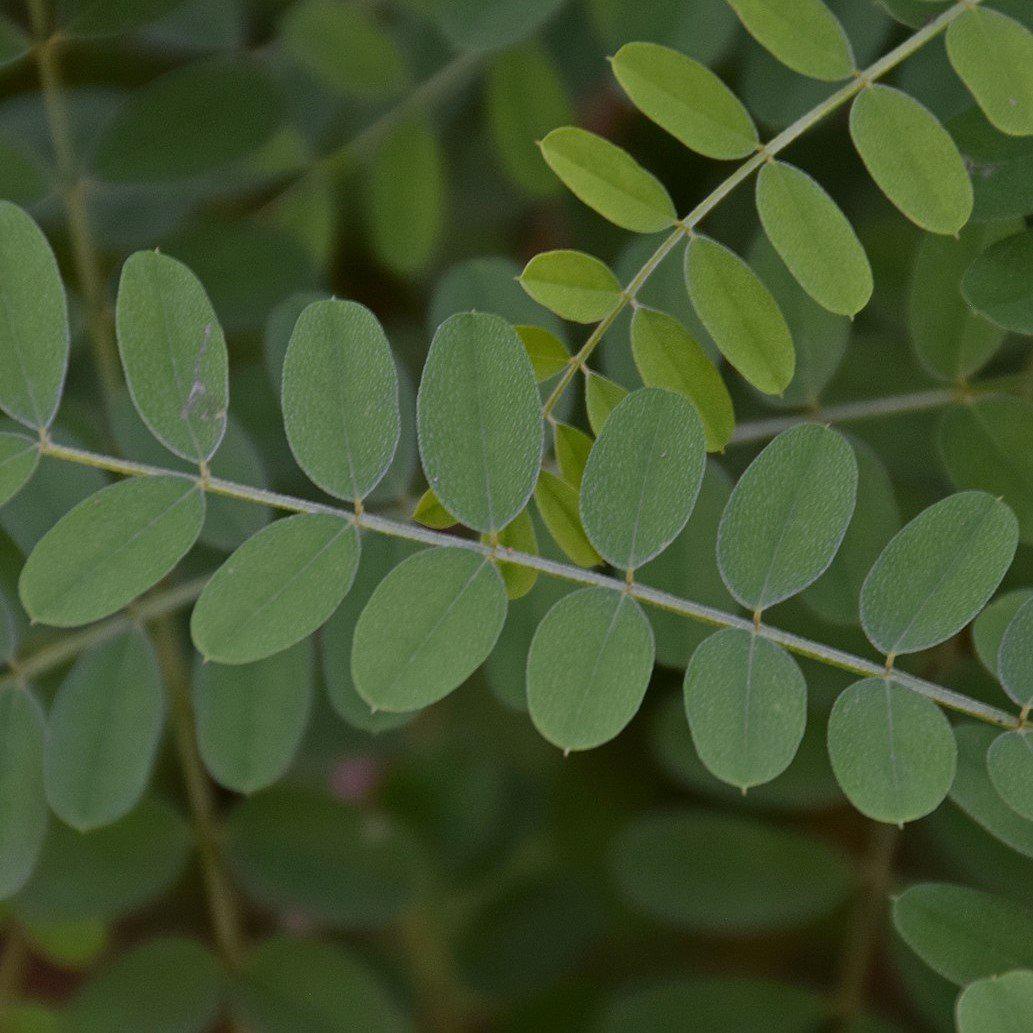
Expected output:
(454, 871)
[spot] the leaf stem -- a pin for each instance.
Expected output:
(685, 227)
(652, 596)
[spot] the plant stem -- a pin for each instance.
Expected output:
(651, 596)
(766, 152)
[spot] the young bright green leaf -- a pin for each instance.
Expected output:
(951, 340)
(787, 516)
(668, 356)
(34, 336)
(407, 197)
(343, 48)
(103, 733)
(999, 283)
(892, 750)
(112, 547)
(588, 668)
(938, 572)
(299, 986)
(525, 97)
(912, 159)
(609, 180)
(196, 119)
(989, 627)
(19, 457)
(23, 805)
(602, 396)
(642, 477)
(964, 934)
(726, 874)
(70, 945)
(803, 34)
(746, 702)
(431, 513)
(548, 354)
(427, 628)
(251, 717)
(975, 795)
(277, 588)
(814, 238)
(558, 505)
(993, 55)
(740, 314)
(687, 99)
(1015, 657)
(340, 398)
(518, 535)
(572, 284)
(479, 419)
(1010, 766)
(988, 444)
(166, 986)
(1001, 1004)
(572, 447)
(174, 354)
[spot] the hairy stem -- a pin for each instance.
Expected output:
(651, 596)
(765, 152)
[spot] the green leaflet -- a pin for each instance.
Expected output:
(572, 447)
(602, 396)
(588, 668)
(803, 34)
(998, 1005)
(343, 48)
(548, 354)
(951, 340)
(277, 588)
(298, 849)
(975, 794)
(174, 354)
(740, 314)
(993, 55)
(103, 733)
(428, 626)
(938, 572)
(524, 98)
(999, 283)
(912, 159)
(251, 717)
(814, 238)
(892, 750)
(340, 398)
(988, 444)
(166, 986)
(196, 119)
(1015, 657)
(642, 477)
(609, 180)
(964, 934)
(668, 356)
(70, 945)
(726, 874)
(1010, 766)
(746, 702)
(518, 535)
(19, 457)
(572, 284)
(989, 627)
(558, 505)
(787, 516)
(34, 335)
(479, 420)
(110, 548)
(407, 198)
(294, 986)
(431, 513)
(23, 805)
(684, 97)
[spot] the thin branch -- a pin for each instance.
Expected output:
(765, 152)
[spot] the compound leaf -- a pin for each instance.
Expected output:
(277, 588)
(340, 398)
(572, 284)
